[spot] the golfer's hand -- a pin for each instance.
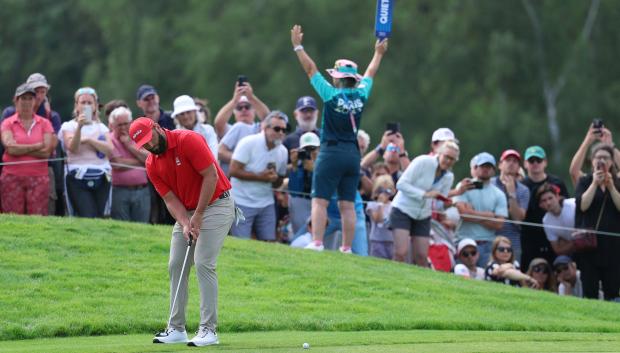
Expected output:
(296, 35)
(194, 223)
(186, 231)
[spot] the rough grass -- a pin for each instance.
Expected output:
(72, 277)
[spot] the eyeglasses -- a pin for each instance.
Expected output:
(540, 269)
(535, 160)
(243, 107)
(278, 129)
(504, 249)
(469, 253)
(560, 269)
(386, 191)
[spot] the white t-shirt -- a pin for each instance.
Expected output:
(577, 288)
(253, 153)
(566, 218)
(462, 270)
(86, 156)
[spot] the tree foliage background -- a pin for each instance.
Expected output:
(481, 67)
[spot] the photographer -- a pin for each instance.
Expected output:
(392, 149)
(596, 133)
(300, 179)
(597, 203)
(486, 203)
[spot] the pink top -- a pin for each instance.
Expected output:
(126, 177)
(40, 127)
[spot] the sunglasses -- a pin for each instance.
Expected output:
(504, 249)
(243, 107)
(384, 191)
(278, 129)
(540, 269)
(469, 253)
(535, 160)
(561, 269)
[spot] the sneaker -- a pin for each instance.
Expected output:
(345, 250)
(204, 337)
(171, 335)
(316, 246)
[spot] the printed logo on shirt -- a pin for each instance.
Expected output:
(177, 160)
(345, 107)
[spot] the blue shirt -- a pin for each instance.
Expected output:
(510, 230)
(489, 198)
(338, 105)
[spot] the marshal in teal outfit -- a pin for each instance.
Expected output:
(338, 164)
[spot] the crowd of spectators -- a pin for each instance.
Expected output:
(510, 221)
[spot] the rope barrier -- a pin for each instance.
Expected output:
(305, 194)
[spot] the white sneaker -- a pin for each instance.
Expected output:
(204, 337)
(313, 246)
(170, 335)
(345, 251)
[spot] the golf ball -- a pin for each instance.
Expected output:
(306, 346)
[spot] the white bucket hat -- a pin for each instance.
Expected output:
(184, 104)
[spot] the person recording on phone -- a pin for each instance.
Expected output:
(392, 150)
(88, 145)
(486, 203)
(598, 208)
(338, 164)
(245, 106)
(300, 179)
(597, 132)
(258, 165)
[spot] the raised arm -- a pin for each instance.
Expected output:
(380, 49)
(304, 59)
(261, 109)
(580, 156)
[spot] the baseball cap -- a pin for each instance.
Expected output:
(344, 68)
(535, 151)
(37, 80)
(23, 89)
(465, 243)
(144, 91)
(562, 260)
(309, 139)
(508, 153)
(483, 158)
(305, 102)
(183, 104)
(141, 131)
(443, 134)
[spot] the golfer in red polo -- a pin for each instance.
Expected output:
(196, 191)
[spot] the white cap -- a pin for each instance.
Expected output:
(443, 134)
(309, 139)
(183, 104)
(465, 243)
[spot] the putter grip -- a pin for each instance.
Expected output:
(189, 242)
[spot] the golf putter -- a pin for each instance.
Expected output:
(189, 245)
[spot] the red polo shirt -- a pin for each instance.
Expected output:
(178, 169)
(40, 127)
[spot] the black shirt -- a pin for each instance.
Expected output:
(608, 247)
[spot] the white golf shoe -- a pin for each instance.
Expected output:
(345, 250)
(171, 335)
(204, 337)
(314, 246)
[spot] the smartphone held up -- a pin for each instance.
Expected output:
(87, 110)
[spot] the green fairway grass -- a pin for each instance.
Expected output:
(75, 277)
(329, 342)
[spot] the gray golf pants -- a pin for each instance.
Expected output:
(216, 223)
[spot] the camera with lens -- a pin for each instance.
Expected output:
(305, 153)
